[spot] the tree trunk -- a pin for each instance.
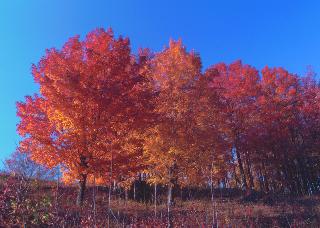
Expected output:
(265, 178)
(57, 195)
(242, 173)
(134, 190)
(126, 195)
(249, 170)
(172, 183)
(82, 188)
(237, 181)
(212, 199)
(110, 186)
(169, 202)
(94, 202)
(260, 178)
(155, 200)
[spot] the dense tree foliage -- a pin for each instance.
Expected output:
(105, 113)
(89, 111)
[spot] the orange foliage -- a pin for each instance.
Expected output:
(92, 108)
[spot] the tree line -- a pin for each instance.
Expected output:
(105, 115)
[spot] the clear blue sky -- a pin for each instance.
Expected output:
(273, 33)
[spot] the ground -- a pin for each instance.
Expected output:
(46, 204)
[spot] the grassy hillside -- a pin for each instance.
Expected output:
(38, 203)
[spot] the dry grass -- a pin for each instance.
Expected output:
(299, 212)
(59, 210)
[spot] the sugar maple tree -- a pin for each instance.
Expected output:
(173, 71)
(105, 115)
(210, 132)
(280, 125)
(238, 86)
(92, 97)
